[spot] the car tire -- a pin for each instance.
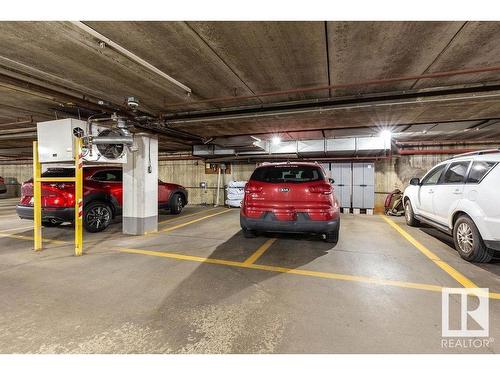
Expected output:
(410, 216)
(177, 204)
(97, 216)
(51, 224)
(248, 233)
(468, 241)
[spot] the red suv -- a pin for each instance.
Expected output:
(290, 197)
(102, 197)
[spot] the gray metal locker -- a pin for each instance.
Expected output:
(342, 174)
(363, 181)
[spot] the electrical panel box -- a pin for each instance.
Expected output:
(56, 143)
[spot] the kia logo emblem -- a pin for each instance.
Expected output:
(285, 190)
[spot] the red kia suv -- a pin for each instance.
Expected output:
(290, 197)
(102, 197)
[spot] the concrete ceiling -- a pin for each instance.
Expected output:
(55, 69)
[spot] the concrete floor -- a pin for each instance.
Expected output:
(193, 289)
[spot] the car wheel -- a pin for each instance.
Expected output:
(248, 233)
(468, 241)
(97, 216)
(51, 224)
(410, 216)
(177, 204)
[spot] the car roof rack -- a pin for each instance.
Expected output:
(478, 152)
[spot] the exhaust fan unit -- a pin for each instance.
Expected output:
(104, 152)
(103, 145)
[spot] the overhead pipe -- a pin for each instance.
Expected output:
(130, 55)
(24, 122)
(297, 158)
(327, 107)
(439, 151)
(17, 136)
(18, 130)
(444, 143)
(56, 96)
(344, 85)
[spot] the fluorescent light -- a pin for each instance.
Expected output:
(276, 140)
(386, 136)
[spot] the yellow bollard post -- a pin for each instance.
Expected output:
(78, 198)
(37, 199)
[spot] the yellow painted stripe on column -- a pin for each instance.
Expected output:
(464, 281)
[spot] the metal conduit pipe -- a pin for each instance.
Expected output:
(108, 140)
(345, 85)
(445, 143)
(439, 151)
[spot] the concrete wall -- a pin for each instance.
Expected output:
(14, 176)
(397, 172)
(189, 173)
(389, 174)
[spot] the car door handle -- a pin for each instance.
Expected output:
(457, 192)
(431, 191)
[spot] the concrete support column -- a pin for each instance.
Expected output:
(140, 187)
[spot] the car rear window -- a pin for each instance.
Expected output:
(59, 172)
(479, 170)
(287, 173)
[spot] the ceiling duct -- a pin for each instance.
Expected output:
(307, 148)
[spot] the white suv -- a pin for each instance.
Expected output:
(461, 196)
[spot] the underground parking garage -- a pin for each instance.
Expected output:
(304, 187)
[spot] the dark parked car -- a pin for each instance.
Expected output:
(3, 188)
(290, 197)
(102, 197)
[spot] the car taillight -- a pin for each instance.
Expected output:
(321, 189)
(59, 185)
(252, 189)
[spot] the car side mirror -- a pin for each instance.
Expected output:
(415, 181)
(332, 181)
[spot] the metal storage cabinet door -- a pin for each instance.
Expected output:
(342, 174)
(369, 189)
(368, 196)
(357, 185)
(363, 192)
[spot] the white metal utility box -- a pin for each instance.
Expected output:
(56, 142)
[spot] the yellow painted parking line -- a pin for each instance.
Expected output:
(193, 221)
(17, 228)
(324, 275)
(189, 215)
(261, 250)
(464, 281)
(19, 237)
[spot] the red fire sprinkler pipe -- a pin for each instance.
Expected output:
(439, 151)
